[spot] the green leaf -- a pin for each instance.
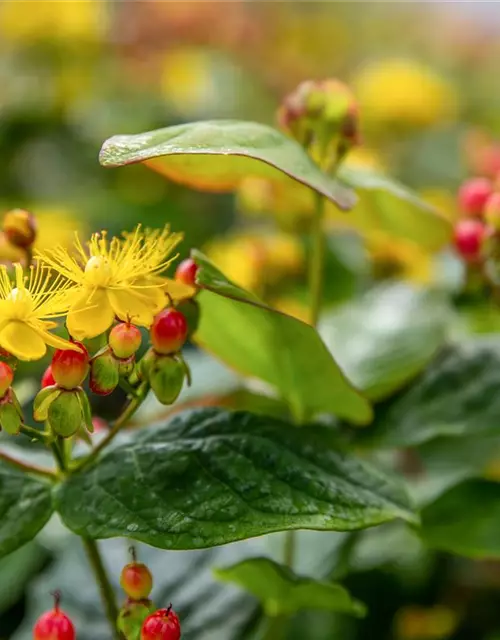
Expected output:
(216, 155)
(386, 337)
(210, 477)
(389, 206)
(465, 520)
(25, 507)
(457, 395)
(17, 570)
(263, 343)
(282, 591)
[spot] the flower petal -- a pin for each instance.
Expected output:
(22, 340)
(42, 328)
(138, 307)
(90, 314)
(178, 290)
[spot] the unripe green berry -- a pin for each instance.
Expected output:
(166, 377)
(136, 580)
(104, 373)
(65, 414)
(131, 617)
(124, 340)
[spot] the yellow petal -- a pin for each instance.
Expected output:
(53, 340)
(90, 314)
(178, 290)
(22, 341)
(138, 307)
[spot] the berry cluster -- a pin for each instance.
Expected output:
(479, 222)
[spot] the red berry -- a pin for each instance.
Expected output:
(473, 195)
(186, 272)
(136, 580)
(124, 340)
(169, 331)
(469, 236)
(70, 368)
(48, 378)
(99, 424)
(54, 625)
(6, 377)
(161, 625)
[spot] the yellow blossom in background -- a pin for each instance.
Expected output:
(254, 261)
(56, 226)
(419, 623)
(27, 306)
(405, 93)
(292, 307)
(399, 257)
(443, 201)
(70, 20)
(115, 277)
(187, 79)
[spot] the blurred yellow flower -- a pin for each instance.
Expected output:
(118, 277)
(292, 307)
(405, 93)
(443, 201)
(399, 257)
(187, 78)
(365, 158)
(254, 261)
(71, 20)
(27, 305)
(56, 226)
(419, 623)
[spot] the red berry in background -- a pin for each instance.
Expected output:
(186, 272)
(169, 331)
(136, 580)
(48, 379)
(54, 625)
(473, 195)
(70, 368)
(469, 236)
(161, 625)
(6, 377)
(124, 340)
(99, 424)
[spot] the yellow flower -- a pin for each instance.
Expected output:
(404, 92)
(400, 257)
(26, 307)
(118, 277)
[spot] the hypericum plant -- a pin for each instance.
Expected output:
(209, 476)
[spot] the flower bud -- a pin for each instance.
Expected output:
(19, 227)
(161, 625)
(169, 331)
(11, 415)
(492, 211)
(124, 340)
(104, 372)
(166, 376)
(186, 272)
(70, 368)
(131, 617)
(54, 625)
(65, 413)
(468, 237)
(48, 378)
(126, 366)
(6, 378)
(473, 195)
(136, 580)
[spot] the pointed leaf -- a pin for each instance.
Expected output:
(271, 346)
(210, 477)
(216, 155)
(282, 591)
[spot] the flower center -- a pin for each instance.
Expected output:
(98, 271)
(21, 303)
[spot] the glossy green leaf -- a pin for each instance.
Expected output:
(209, 477)
(456, 395)
(386, 205)
(216, 155)
(465, 520)
(25, 507)
(386, 337)
(262, 343)
(282, 591)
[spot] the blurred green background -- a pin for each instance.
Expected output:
(73, 73)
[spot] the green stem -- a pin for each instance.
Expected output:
(28, 468)
(105, 588)
(317, 260)
(58, 455)
(289, 549)
(127, 413)
(35, 434)
(276, 627)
